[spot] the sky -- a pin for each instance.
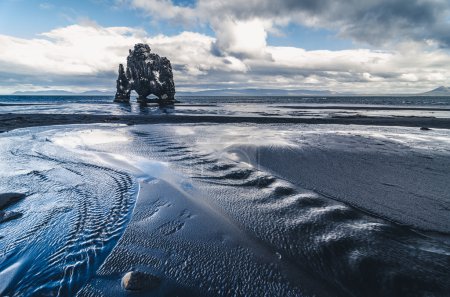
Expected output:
(357, 46)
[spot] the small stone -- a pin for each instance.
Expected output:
(425, 128)
(6, 199)
(6, 216)
(137, 280)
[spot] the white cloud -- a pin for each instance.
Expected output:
(86, 57)
(192, 52)
(90, 50)
(410, 32)
(46, 5)
(70, 50)
(370, 21)
(245, 39)
(165, 9)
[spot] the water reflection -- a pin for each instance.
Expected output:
(224, 106)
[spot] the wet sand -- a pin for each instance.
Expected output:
(13, 121)
(221, 210)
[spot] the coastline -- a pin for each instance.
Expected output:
(206, 216)
(12, 121)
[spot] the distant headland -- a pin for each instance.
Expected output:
(440, 91)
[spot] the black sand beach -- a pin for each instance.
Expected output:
(211, 148)
(228, 205)
(12, 121)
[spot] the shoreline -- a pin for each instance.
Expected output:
(13, 121)
(203, 218)
(301, 106)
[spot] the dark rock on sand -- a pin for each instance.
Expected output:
(6, 216)
(123, 87)
(137, 280)
(147, 73)
(6, 199)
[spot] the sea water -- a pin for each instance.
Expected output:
(237, 106)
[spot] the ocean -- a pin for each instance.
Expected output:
(232, 105)
(376, 100)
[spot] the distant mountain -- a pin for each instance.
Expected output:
(441, 91)
(49, 92)
(258, 92)
(217, 92)
(62, 93)
(97, 93)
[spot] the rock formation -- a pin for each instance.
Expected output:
(123, 87)
(7, 199)
(147, 73)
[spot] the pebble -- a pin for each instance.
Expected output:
(6, 199)
(9, 215)
(137, 280)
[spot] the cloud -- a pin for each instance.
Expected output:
(375, 22)
(242, 39)
(73, 55)
(46, 5)
(165, 9)
(410, 32)
(74, 50)
(85, 56)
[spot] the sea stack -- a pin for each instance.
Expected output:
(123, 87)
(147, 73)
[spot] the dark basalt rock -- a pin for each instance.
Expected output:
(7, 199)
(147, 73)
(123, 87)
(6, 216)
